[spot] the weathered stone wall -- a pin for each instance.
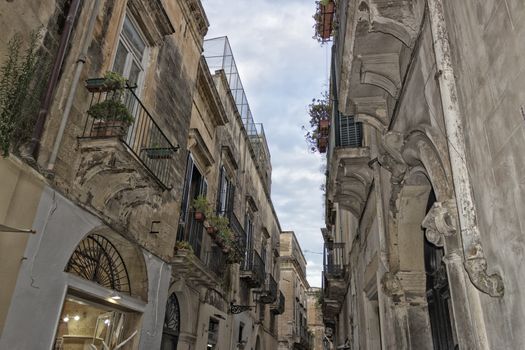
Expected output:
(169, 84)
(487, 50)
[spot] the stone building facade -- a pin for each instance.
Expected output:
(293, 323)
(314, 316)
(116, 254)
(424, 214)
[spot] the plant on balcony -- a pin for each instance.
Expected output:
(316, 134)
(22, 78)
(217, 224)
(112, 117)
(324, 20)
(224, 239)
(183, 246)
(234, 255)
(201, 208)
(110, 82)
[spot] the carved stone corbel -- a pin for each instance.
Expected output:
(392, 160)
(440, 222)
(392, 287)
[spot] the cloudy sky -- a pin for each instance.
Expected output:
(282, 68)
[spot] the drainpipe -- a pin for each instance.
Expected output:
(475, 261)
(86, 41)
(32, 152)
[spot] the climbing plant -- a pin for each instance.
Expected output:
(19, 91)
(318, 110)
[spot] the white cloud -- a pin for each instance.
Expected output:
(282, 68)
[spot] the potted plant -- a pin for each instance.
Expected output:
(183, 246)
(112, 118)
(217, 224)
(201, 207)
(324, 124)
(111, 81)
(158, 152)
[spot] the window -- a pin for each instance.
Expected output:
(241, 329)
(131, 55)
(248, 228)
(189, 229)
(213, 333)
(225, 197)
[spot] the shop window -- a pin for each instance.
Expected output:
(87, 325)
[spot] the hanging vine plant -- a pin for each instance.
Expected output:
(316, 133)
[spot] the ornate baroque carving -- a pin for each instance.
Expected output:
(440, 222)
(392, 287)
(392, 160)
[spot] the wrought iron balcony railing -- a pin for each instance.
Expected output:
(192, 232)
(278, 307)
(216, 261)
(252, 269)
(334, 260)
(268, 294)
(120, 113)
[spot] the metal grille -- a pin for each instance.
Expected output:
(350, 132)
(172, 316)
(334, 259)
(96, 259)
(144, 138)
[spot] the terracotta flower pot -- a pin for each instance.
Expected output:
(212, 231)
(199, 216)
(324, 124)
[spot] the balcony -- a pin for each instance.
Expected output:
(349, 175)
(252, 269)
(196, 271)
(278, 307)
(324, 20)
(335, 271)
(268, 294)
(216, 261)
(192, 231)
(144, 138)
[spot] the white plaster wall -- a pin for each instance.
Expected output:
(41, 286)
(159, 275)
(42, 283)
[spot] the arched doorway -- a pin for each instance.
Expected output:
(438, 293)
(99, 309)
(429, 322)
(171, 328)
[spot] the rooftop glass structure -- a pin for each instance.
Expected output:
(219, 56)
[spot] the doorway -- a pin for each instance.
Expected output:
(438, 293)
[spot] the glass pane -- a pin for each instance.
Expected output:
(120, 59)
(132, 35)
(134, 73)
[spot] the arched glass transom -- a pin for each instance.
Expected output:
(172, 317)
(96, 259)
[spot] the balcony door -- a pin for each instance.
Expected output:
(189, 229)
(131, 55)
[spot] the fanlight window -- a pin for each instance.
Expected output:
(172, 318)
(96, 259)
